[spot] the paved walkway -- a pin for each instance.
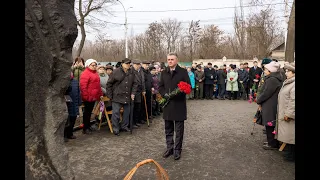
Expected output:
(217, 145)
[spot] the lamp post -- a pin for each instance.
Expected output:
(126, 26)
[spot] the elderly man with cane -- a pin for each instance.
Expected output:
(121, 89)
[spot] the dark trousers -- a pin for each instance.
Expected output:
(115, 118)
(155, 105)
(137, 113)
(233, 95)
(222, 90)
(148, 100)
(199, 91)
(270, 137)
(88, 107)
(242, 93)
(216, 93)
(68, 129)
(170, 127)
(208, 90)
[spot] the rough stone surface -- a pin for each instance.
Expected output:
(50, 31)
(217, 145)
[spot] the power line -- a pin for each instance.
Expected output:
(203, 9)
(183, 22)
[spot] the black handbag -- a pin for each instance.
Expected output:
(258, 117)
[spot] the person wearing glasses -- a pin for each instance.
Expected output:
(90, 91)
(121, 89)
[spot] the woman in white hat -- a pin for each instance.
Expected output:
(90, 91)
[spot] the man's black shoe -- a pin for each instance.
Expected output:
(168, 153)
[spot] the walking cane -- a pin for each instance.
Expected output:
(145, 105)
(253, 128)
(131, 115)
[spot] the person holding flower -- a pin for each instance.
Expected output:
(193, 83)
(175, 112)
(268, 101)
(286, 113)
(232, 83)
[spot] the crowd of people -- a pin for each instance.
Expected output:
(135, 81)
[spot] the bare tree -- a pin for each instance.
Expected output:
(171, 31)
(155, 36)
(209, 46)
(85, 8)
(263, 31)
(240, 34)
(290, 46)
(193, 36)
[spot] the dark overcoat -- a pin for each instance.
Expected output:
(176, 110)
(268, 99)
(140, 85)
(74, 92)
(121, 85)
(209, 75)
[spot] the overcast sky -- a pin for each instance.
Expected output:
(220, 14)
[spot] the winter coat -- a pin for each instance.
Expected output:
(243, 76)
(221, 76)
(210, 75)
(139, 78)
(155, 83)
(176, 110)
(74, 93)
(192, 79)
(103, 83)
(147, 79)
(90, 87)
(77, 71)
(199, 75)
(286, 106)
(252, 75)
(268, 99)
(232, 85)
(121, 85)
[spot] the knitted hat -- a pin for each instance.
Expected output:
(272, 66)
(265, 61)
(290, 66)
(89, 61)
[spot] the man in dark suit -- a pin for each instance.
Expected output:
(175, 113)
(210, 75)
(139, 75)
(243, 82)
(148, 86)
(221, 81)
(255, 70)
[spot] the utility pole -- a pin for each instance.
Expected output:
(126, 27)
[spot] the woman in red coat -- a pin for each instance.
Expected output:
(90, 92)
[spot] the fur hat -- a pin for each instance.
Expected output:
(109, 67)
(272, 66)
(265, 61)
(290, 66)
(89, 61)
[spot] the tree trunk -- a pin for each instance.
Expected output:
(290, 45)
(83, 38)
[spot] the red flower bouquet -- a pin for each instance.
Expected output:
(231, 84)
(255, 84)
(183, 87)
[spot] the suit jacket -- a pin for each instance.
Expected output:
(176, 110)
